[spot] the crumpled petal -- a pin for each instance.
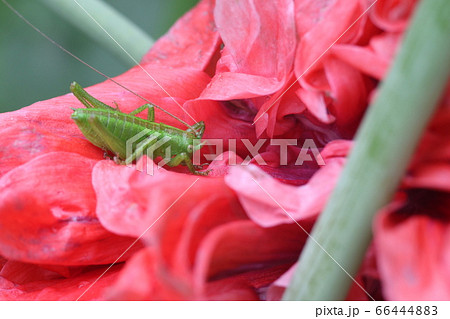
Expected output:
(224, 122)
(228, 265)
(129, 201)
(143, 278)
(22, 273)
(233, 248)
(332, 20)
(47, 214)
(350, 93)
(256, 60)
(262, 195)
(41, 128)
(373, 59)
(417, 267)
(276, 115)
(330, 88)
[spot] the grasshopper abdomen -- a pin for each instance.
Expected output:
(111, 130)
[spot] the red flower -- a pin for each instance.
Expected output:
(67, 214)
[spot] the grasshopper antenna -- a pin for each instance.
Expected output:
(90, 66)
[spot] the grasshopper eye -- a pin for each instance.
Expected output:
(190, 148)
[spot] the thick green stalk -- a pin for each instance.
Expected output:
(85, 14)
(384, 145)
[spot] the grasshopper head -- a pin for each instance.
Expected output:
(195, 146)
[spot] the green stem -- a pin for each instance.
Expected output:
(384, 145)
(122, 32)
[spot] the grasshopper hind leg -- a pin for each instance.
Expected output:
(86, 99)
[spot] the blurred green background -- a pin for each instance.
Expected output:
(33, 69)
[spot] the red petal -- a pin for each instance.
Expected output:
(275, 115)
(316, 104)
(431, 176)
(225, 122)
(308, 13)
(234, 86)
(144, 278)
(242, 246)
(47, 214)
(297, 202)
(208, 215)
(392, 15)
(333, 20)
(250, 285)
(22, 273)
(141, 280)
(191, 42)
(60, 288)
(321, 75)
(349, 92)
(129, 201)
(374, 59)
(38, 129)
(417, 267)
(247, 67)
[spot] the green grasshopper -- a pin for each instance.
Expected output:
(110, 129)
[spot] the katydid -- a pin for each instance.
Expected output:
(111, 130)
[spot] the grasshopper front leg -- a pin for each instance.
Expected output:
(184, 157)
